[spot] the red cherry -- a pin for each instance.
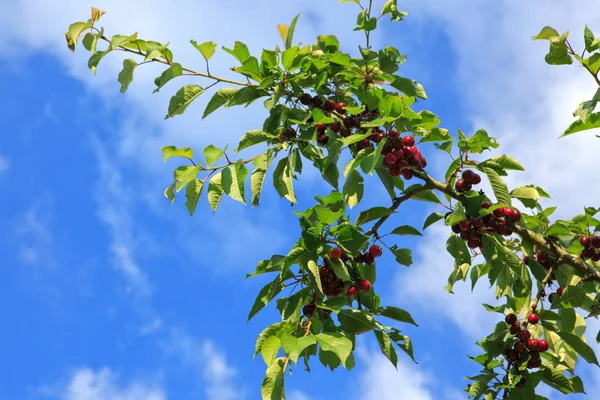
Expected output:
(322, 139)
(473, 243)
(596, 257)
(526, 260)
(522, 382)
(543, 346)
(476, 179)
(324, 271)
(465, 225)
(364, 285)
(515, 328)
(345, 132)
(509, 213)
(352, 291)
(335, 254)
(330, 105)
(585, 241)
(589, 252)
(499, 212)
(390, 158)
(477, 223)
(423, 161)
(534, 364)
(533, 319)
(407, 174)
(511, 355)
(596, 240)
(409, 151)
(321, 127)
(510, 319)
(524, 335)
(559, 291)
(394, 133)
(308, 309)
(375, 251)
(306, 99)
(533, 344)
(335, 126)
(486, 205)
(395, 172)
(317, 102)
(339, 107)
(462, 186)
(368, 258)
(468, 176)
(551, 297)
(408, 140)
(519, 347)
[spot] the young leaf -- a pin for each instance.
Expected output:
(182, 99)
(385, 344)
(336, 343)
(207, 49)
(353, 189)
(258, 176)
(172, 151)
(270, 348)
(173, 71)
(215, 191)
(192, 193)
(126, 74)
(232, 181)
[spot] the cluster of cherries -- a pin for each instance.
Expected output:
(469, 178)
(524, 346)
(472, 230)
(333, 286)
(590, 246)
(399, 154)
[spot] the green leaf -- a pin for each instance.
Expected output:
(270, 330)
(403, 256)
(371, 214)
(427, 195)
(546, 33)
(270, 348)
(340, 269)
(356, 321)
(207, 49)
(508, 163)
(397, 314)
(578, 126)
(266, 294)
(240, 51)
(220, 98)
(247, 95)
(293, 346)
(74, 32)
(314, 270)
(258, 176)
(409, 87)
(290, 32)
(182, 99)
(215, 191)
(120, 40)
(353, 189)
(282, 181)
(170, 192)
(499, 187)
(351, 238)
(126, 74)
(387, 180)
(184, 175)
(172, 151)
(579, 346)
(336, 343)
(525, 192)
(385, 344)
(212, 154)
(572, 295)
(251, 138)
(173, 71)
(272, 385)
(458, 249)
(232, 180)
(192, 193)
(406, 230)
(432, 219)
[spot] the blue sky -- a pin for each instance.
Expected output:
(110, 293)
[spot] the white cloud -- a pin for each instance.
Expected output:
(381, 381)
(208, 362)
(87, 384)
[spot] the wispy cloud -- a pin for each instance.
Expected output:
(206, 360)
(87, 384)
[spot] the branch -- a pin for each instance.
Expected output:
(396, 204)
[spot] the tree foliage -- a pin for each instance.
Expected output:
(322, 103)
